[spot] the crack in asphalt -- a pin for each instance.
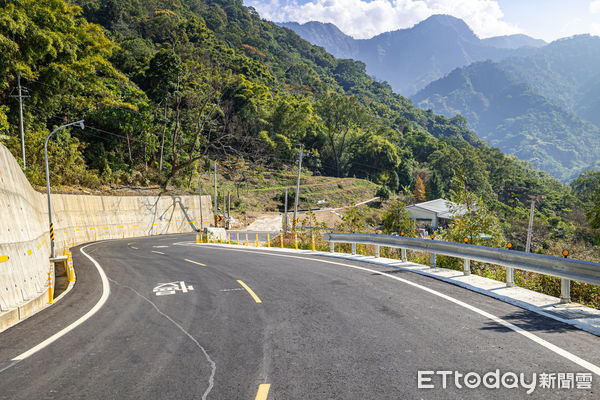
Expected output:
(211, 379)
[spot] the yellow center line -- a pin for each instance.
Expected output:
(263, 390)
(254, 296)
(135, 248)
(129, 244)
(158, 252)
(195, 262)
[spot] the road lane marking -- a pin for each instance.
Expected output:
(158, 252)
(195, 262)
(129, 244)
(254, 296)
(81, 320)
(558, 350)
(263, 391)
(135, 248)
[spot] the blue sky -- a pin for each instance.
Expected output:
(544, 19)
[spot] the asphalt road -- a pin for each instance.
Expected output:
(310, 327)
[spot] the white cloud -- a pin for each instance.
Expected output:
(595, 7)
(366, 18)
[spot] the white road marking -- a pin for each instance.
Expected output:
(558, 350)
(165, 289)
(81, 320)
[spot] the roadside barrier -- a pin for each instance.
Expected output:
(561, 267)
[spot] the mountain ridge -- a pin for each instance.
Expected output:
(411, 58)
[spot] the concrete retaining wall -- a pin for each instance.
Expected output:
(24, 239)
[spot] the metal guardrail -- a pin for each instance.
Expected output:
(564, 268)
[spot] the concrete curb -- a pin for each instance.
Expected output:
(517, 296)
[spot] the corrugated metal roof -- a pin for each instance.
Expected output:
(442, 207)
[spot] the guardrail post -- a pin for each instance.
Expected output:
(332, 247)
(510, 280)
(565, 291)
(353, 249)
(433, 260)
(467, 267)
(376, 251)
(404, 258)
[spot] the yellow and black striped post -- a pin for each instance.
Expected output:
(312, 238)
(281, 239)
(268, 239)
(296, 240)
(52, 253)
(257, 240)
(237, 238)
(246, 239)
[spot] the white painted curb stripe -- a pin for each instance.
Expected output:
(558, 350)
(81, 320)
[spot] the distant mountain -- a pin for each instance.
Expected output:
(511, 115)
(411, 58)
(513, 41)
(566, 71)
(326, 35)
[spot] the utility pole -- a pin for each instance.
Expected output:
(530, 229)
(20, 96)
(285, 213)
(297, 187)
(228, 209)
(216, 205)
(224, 208)
(201, 216)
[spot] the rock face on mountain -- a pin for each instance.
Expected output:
(411, 58)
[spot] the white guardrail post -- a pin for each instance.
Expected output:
(564, 268)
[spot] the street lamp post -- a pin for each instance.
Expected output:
(80, 123)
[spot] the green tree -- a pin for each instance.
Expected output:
(397, 219)
(340, 115)
(434, 188)
(473, 220)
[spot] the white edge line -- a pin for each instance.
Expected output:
(81, 320)
(558, 350)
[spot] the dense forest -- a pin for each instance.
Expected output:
(167, 86)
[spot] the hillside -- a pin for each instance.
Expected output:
(510, 115)
(166, 89)
(411, 58)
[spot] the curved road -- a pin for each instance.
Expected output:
(252, 324)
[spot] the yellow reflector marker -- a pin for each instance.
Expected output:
(4, 258)
(158, 252)
(29, 252)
